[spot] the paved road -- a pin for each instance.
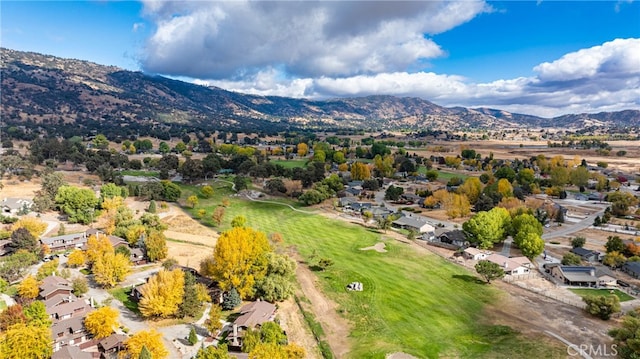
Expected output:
(566, 229)
(506, 247)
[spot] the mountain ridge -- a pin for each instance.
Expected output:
(44, 88)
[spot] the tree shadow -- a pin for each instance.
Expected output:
(316, 268)
(468, 278)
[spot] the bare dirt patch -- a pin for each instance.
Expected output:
(336, 328)
(188, 254)
(378, 247)
(297, 330)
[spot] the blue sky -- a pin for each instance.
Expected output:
(545, 58)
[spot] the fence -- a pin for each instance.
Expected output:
(549, 293)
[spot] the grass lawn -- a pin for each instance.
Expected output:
(122, 294)
(416, 303)
(85, 271)
(290, 163)
(444, 175)
(3, 305)
(140, 173)
(587, 292)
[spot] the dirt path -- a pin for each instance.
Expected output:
(298, 331)
(336, 328)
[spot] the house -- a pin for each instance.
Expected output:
(410, 197)
(67, 310)
(111, 345)
(586, 254)
(68, 332)
(632, 268)
(64, 242)
(475, 254)
(380, 212)
(137, 257)
(59, 299)
(15, 206)
(54, 285)
(455, 237)
(71, 352)
(513, 265)
(252, 315)
(582, 276)
(415, 223)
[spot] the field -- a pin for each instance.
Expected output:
(290, 163)
(416, 303)
(444, 175)
(590, 292)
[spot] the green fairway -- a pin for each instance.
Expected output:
(290, 163)
(590, 292)
(417, 303)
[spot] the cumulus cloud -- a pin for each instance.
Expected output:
(237, 39)
(601, 78)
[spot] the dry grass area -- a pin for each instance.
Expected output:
(17, 189)
(441, 215)
(188, 254)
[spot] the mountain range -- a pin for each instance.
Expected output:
(47, 89)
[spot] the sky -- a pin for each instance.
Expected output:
(544, 58)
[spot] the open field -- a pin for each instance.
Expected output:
(591, 292)
(290, 163)
(412, 302)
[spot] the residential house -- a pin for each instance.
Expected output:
(252, 315)
(380, 212)
(415, 223)
(456, 237)
(586, 254)
(475, 254)
(54, 285)
(632, 268)
(513, 265)
(111, 345)
(71, 352)
(582, 276)
(64, 242)
(68, 332)
(137, 257)
(15, 206)
(412, 198)
(68, 310)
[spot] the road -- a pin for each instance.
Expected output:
(566, 230)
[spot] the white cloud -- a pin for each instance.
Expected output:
(237, 39)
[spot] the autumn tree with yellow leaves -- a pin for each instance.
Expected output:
(111, 268)
(96, 247)
(34, 225)
(146, 338)
(26, 341)
(102, 322)
(156, 245)
(360, 171)
(29, 288)
(76, 258)
(303, 149)
(162, 294)
(239, 259)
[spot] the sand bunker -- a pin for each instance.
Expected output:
(378, 247)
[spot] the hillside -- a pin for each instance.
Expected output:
(69, 93)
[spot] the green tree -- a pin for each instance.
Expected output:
(80, 286)
(432, 175)
(250, 340)
(45, 198)
(231, 300)
(152, 207)
(240, 183)
(571, 259)
(77, 203)
(578, 242)
(36, 314)
(101, 142)
(531, 244)
(579, 176)
(211, 352)
(239, 221)
(21, 239)
(488, 228)
(271, 332)
(602, 306)
(393, 193)
(627, 337)
(614, 244)
(489, 270)
(190, 304)
(614, 259)
(193, 337)
(278, 283)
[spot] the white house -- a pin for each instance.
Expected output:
(475, 254)
(15, 205)
(511, 266)
(416, 223)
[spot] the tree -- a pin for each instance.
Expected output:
(152, 207)
(218, 215)
(525, 223)
(571, 259)
(76, 258)
(360, 171)
(488, 228)
(12, 267)
(239, 259)
(146, 338)
(505, 188)
(29, 288)
(579, 176)
(191, 304)
(271, 332)
(26, 341)
(77, 203)
(614, 244)
(46, 196)
(111, 268)
(489, 270)
(155, 244)
(193, 337)
(472, 188)
(277, 285)
(97, 247)
(170, 191)
(531, 244)
(578, 242)
(627, 337)
(14, 314)
(47, 269)
(602, 306)
(325, 263)
(302, 149)
(393, 193)
(192, 201)
(36, 314)
(614, 259)
(240, 183)
(207, 191)
(212, 352)
(231, 299)
(275, 351)
(239, 221)
(34, 225)
(102, 322)
(213, 323)
(22, 239)
(80, 286)
(145, 353)
(162, 294)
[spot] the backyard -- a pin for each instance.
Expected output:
(417, 303)
(592, 292)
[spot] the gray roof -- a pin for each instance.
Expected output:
(455, 235)
(579, 273)
(16, 203)
(71, 352)
(584, 252)
(415, 222)
(63, 326)
(66, 239)
(255, 313)
(632, 267)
